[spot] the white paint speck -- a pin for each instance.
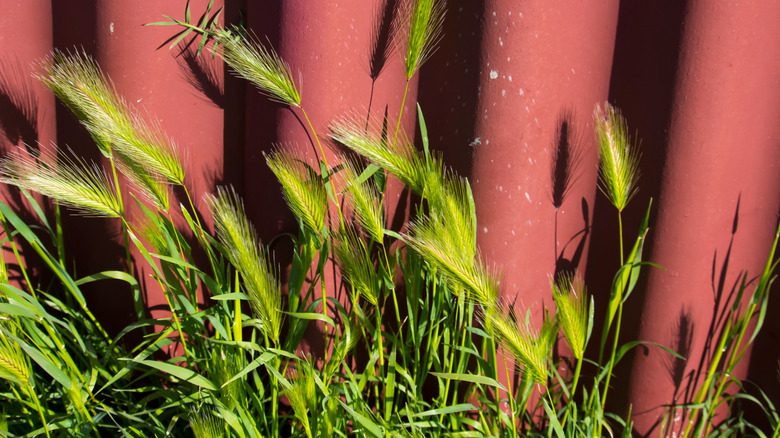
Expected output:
(500, 42)
(510, 78)
(493, 74)
(484, 229)
(111, 28)
(522, 93)
(503, 93)
(508, 59)
(527, 196)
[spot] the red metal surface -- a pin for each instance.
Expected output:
(542, 70)
(718, 198)
(698, 80)
(27, 119)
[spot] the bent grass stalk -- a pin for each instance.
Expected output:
(618, 174)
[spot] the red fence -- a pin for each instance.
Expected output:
(511, 82)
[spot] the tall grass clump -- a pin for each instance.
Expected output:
(423, 344)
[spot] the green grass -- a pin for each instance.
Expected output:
(421, 347)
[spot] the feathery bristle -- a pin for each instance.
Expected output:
(618, 156)
(351, 132)
(13, 364)
(571, 300)
(462, 268)
(530, 349)
(425, 21)
(365, 200)
(79, 83)
(355, 262)
(303, 189)
(260, 65)
(151, 186)
(302, 394)
(240, 240)
(206, 425)
(71, 183)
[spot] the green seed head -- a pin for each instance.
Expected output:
(618, 156)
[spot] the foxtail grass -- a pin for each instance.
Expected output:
(530, 348)
(423, 21)
(575, 313)
(365, 199)
(14, 366)
(303, 188)
(207, 425)
(238, 236)
(354, 259)
(572, 304)
(264, 68)
(618, 176)
(412, 350)
(80, 84)
(302, 395)
(71, 182)
(462, 272)
(618, 156)
(260, 65)
(403, 162)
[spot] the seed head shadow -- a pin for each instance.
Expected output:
(565, 166)
(203, 74)
(18, 106)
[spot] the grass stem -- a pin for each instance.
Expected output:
(620, 237)
(400, 115)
